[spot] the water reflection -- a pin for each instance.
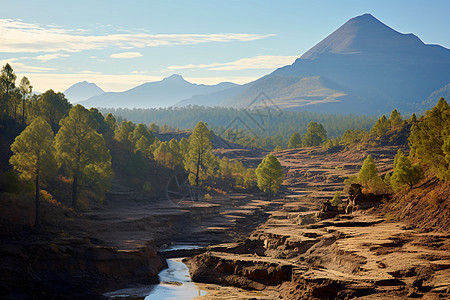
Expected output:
(175, 283)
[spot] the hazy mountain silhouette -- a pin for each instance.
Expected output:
(362, 67)
(434, 97)
(162, 93)
(82, 91)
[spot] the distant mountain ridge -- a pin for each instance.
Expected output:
(363, 67)
(156, 94)
(82, 91)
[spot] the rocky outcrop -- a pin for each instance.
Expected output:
(248, 272)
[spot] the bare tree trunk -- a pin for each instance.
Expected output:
(38, 211)
(7, 103)
(74, 192)
(23, 111)
(270, 188)
(198, 169)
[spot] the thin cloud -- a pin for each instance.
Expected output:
(21, 67)
(47, 57)
(126, 55)
(257, 62)
(89, 72)
(19, 36)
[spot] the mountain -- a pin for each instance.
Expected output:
(162, 93)
(385, 68)
(82, 91)
(364, 67)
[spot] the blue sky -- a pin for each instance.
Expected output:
(120, 44)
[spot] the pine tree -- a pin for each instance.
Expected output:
(33, 156)
(226, 171)
(143, 146)
(163, 155)
(381, 127)
(175, 149)
(200, 155)
(100, 123)
(315, 135)
(111, 122)
(368, 175)
(7, 84)
(25, 89)
(269, 174)
(82, 152)
(295, 141)
(405, 173)
(387, 179)
(249, 178)
(351, 136)
(154, 128)
(395, 119)
(53, 107)
(141, 131)
(124, 131)
(184, 148)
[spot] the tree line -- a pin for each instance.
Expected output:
(261, 128)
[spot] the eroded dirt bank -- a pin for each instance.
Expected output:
(295, 256)
(360, 256)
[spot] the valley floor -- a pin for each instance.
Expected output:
(273, 249)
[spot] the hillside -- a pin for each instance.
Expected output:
(294, 93)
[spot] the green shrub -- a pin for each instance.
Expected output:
(336, 199)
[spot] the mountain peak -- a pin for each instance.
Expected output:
(366, 16)
(174, 77)
(363, 34)
(82, 91)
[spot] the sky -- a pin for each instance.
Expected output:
(121, 44)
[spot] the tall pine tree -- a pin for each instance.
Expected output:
(200, 155)
(33, 156)
(82, 152)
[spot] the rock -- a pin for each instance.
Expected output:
(249, 273)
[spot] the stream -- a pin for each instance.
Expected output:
(175, 284)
